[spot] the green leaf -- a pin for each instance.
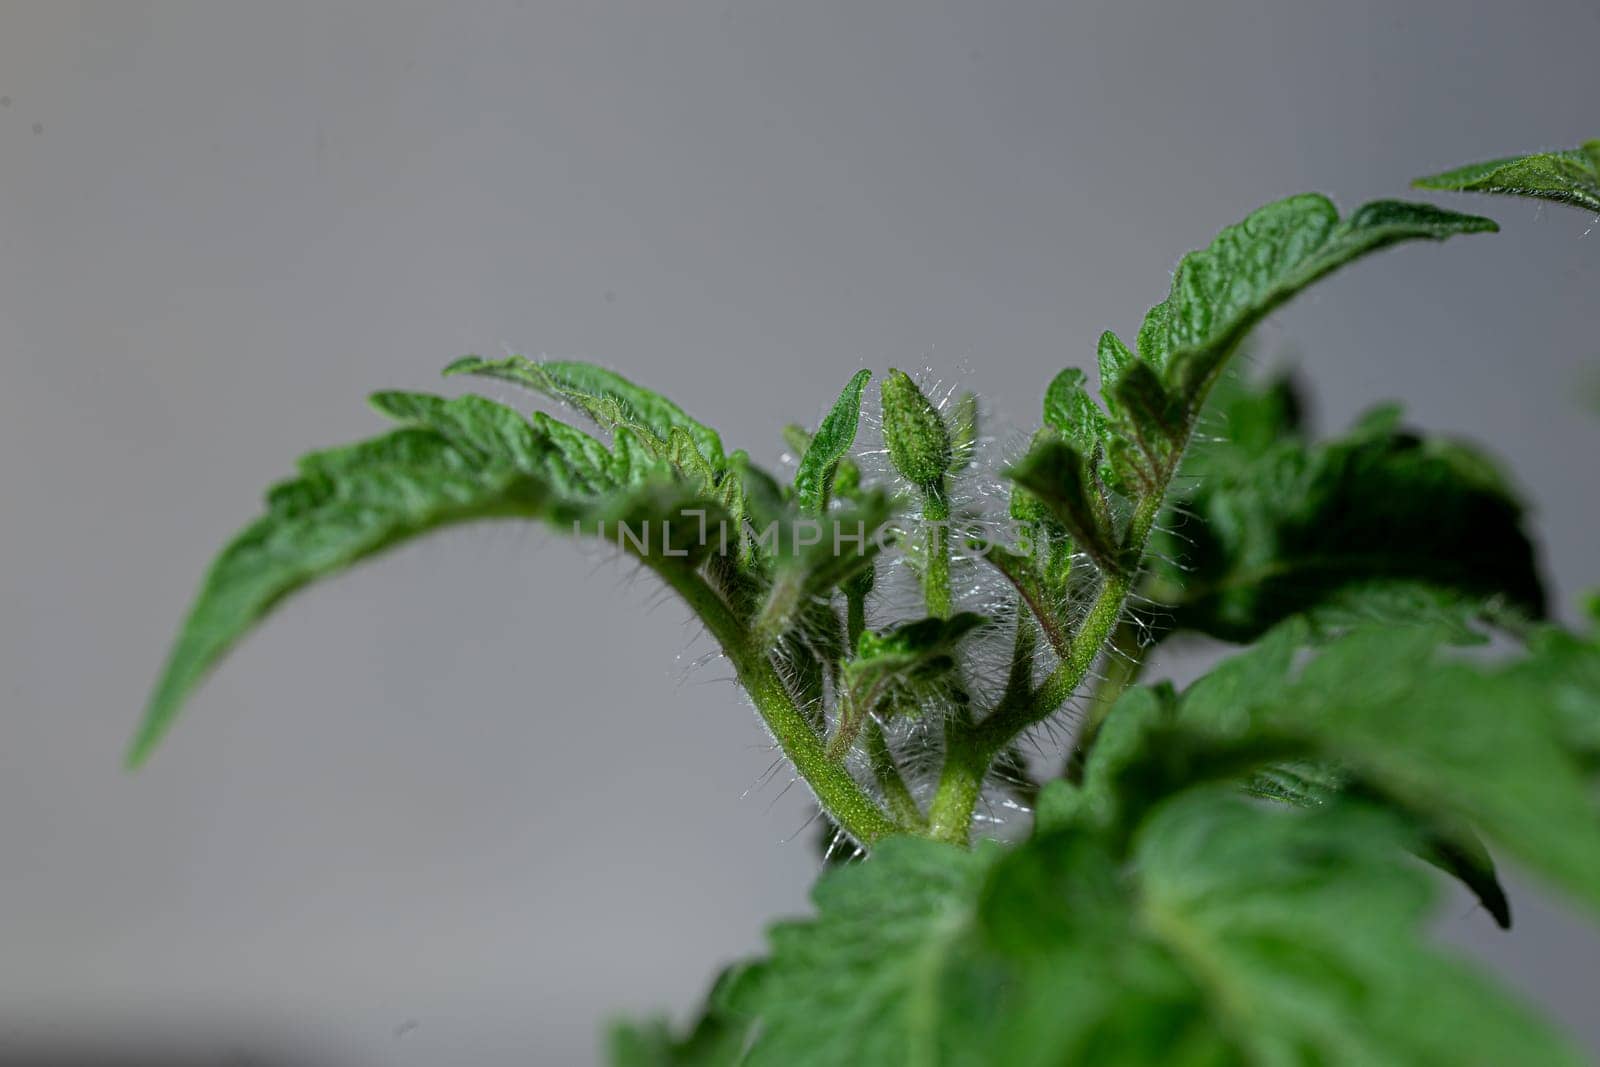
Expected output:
(1454, 848)
(1377, 525)
(605, 396)
(1221, 292)
(1154, 419)
(909, 649)
(1306, 939)
(813, 482)
(1235, 934)
(460, 460)
(1154, 339)
(1567, 177)
(1072, 412)
(1451, 742)
(1113, 359)
(808, 555)
(717, 1039)
(1230, 935)
(860, 983)
(452, 461)
(1563, 669)
(1058, 476)
(897, 668)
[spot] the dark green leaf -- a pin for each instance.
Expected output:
(1567, 177)
(813, 482)
(1378, 525)
(910, 646)
(809, 555)
(1454, 849)
(1058, 476)
(1152, 418)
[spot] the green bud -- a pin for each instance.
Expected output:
(963, 432)
(919, 443)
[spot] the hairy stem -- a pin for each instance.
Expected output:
(960, 783)
(895, 791)
(839, 794)
(936, 562)
(855, 606)
(972, 747)
(1019, 676)
(1122, 669)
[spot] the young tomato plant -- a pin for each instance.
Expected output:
(1231, 873)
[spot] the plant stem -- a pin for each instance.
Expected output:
(960, 783)
(971, 748)
(1122, 669)
(855, 607)
(901, 803)
(1019, 676)
(936, 561)
(839, 794)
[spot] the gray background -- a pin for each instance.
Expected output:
(462, 804)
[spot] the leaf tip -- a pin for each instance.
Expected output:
(145, 740)
(463, 365)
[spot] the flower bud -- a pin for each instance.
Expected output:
(919, 443)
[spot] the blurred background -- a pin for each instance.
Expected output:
(467, 802)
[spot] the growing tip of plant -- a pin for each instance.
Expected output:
(918, 440)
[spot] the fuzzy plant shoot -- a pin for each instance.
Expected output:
(1223, 874)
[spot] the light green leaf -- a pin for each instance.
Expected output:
(895, 669)
(1567, 177)
(963, 432)
(1221, 292)
(717, 1039)
(605, 396)
(1113, 359)
(1230, 935)
(860, 984)
(813, 482)
(1155, 336)
(1233, 934)
(453, 461)
(1449, 741)
(1306, 938)
(460, 460)
(1072, 412)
